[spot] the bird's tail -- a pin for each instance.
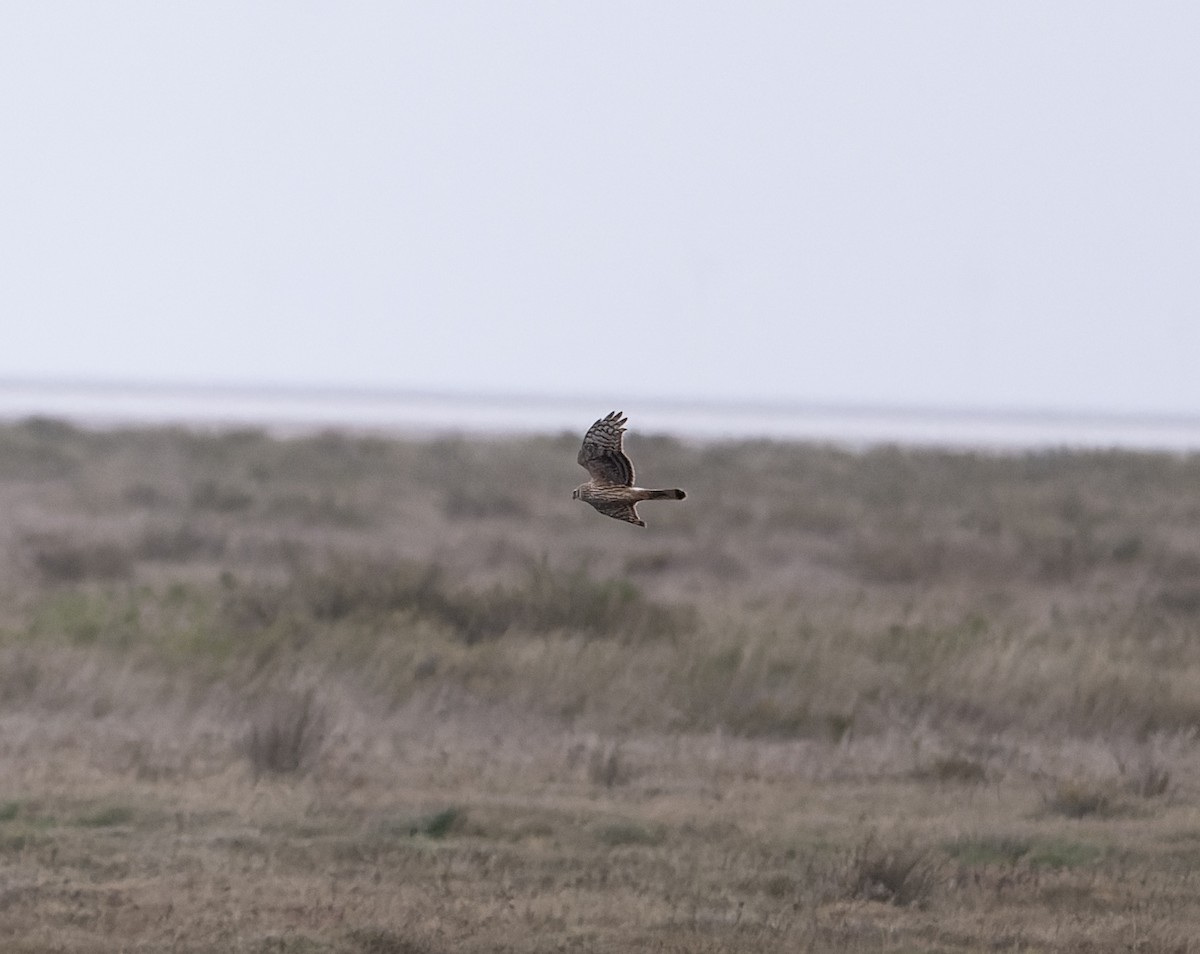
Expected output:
(673, 494)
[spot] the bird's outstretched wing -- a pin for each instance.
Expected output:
(602, 455)
(620, 510)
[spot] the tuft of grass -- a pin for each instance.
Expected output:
(952, 769)
(9, 810)
(606, 766)
(1077, 798)
(1151, 781)
(1146, 778)
(779, 885)
(902, 875)
(286, 735)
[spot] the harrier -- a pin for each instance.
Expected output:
(611, 489)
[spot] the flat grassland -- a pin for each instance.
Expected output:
(347, 693)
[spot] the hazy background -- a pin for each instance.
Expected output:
(923, 204)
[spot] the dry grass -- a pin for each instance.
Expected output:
(285, 735)
(334, 693)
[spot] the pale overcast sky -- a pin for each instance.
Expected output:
(985, 205)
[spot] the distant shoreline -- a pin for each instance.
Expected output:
(297, 409)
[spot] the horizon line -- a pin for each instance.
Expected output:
(836, 408)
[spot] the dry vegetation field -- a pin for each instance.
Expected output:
(354, 694)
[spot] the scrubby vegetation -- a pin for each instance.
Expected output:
(404, 695)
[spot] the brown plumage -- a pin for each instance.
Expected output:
(611, 489)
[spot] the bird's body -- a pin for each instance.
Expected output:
(611, 490)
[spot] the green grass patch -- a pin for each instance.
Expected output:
(979, 850)
(1065, 853)
(434, 825)
(87, 616)
(618, 834)
(107, 816)
(440, 824)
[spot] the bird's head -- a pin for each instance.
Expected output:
(575, 494)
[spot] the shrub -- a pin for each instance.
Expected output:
(179, 544)
(60, 560)
(48, 429)
(38, 449)
(212, 495)
(140, 494)
(325, 508)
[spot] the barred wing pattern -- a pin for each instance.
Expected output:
(618, 510)
(602, 455)
(611, 489)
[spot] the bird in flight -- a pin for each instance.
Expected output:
(611, 489)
